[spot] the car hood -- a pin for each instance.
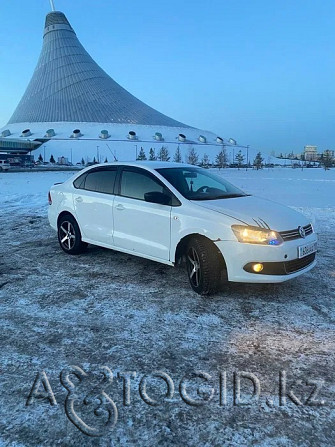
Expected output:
(255, 211)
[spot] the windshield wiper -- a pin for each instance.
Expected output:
(223, 196)
(230, 196)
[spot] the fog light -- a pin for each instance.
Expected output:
(257, 268)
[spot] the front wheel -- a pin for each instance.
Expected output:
(69, 236)
(204, 266)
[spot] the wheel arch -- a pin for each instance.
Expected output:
(65, 213)
(182, 244)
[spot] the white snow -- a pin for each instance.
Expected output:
(28, 191)
(311, 191)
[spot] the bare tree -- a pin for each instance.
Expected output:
(258, 162)
(152, 154)
(192, 157)
(163, 154)
(239, 158)
(141, 155)
(177, 156)
(326, 160)
(205, 161)
(221, 158)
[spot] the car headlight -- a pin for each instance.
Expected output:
(256, 235)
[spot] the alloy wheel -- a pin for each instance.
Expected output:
(194, 269)
(67, 235)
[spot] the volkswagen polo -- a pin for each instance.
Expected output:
(174, 214)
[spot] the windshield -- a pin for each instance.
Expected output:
(199, 184)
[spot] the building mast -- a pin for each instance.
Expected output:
(52, 5)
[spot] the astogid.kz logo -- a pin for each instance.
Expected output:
(89, 406)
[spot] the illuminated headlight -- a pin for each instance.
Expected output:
(256, 235)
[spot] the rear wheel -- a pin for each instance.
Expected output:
(69, 236)
(204, 266)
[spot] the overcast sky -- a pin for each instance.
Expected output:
(260, 71)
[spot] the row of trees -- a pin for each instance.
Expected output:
(52, 159)
(193, 158)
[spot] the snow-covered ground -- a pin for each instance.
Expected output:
(104, 308)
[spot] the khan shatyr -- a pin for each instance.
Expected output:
(73, 109)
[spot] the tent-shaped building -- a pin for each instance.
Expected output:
(73, 109)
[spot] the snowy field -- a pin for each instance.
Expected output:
(105, 308)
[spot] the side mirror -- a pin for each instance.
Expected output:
(157, 197)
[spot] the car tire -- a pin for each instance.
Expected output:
(69, 236)
(204, 266)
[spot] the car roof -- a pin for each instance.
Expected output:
(146, 164)
(150, 166)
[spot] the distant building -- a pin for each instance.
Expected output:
(63, 161)
(311, 153)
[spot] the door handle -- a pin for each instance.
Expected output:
(79, 199)
(120, 207)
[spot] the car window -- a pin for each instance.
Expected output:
(79, 183)
(101, 180)
(135, 184)
(201, 181)
(199, 184)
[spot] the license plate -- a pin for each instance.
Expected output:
(305, 250)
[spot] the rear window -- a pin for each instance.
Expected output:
(102, 180)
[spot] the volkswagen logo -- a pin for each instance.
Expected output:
(302, 232)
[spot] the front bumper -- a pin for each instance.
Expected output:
(281, 262)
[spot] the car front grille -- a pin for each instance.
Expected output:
(289, 235)
(299, 264)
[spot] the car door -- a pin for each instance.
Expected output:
(93, 204)
(139, 226)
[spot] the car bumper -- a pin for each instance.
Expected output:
(281, 263)
(52, 217)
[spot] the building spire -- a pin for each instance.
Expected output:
(52, 5)
(68, 86)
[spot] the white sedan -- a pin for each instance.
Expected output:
(172, 212)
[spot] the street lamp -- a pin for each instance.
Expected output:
(233, 143)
